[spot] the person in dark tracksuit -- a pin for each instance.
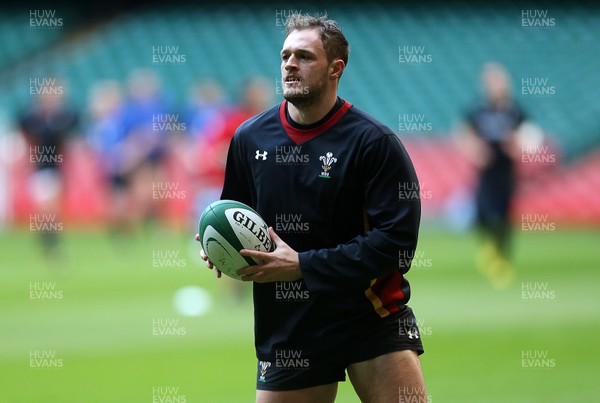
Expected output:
(332, 297)
(491, 138)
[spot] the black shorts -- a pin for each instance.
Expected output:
(292, 369)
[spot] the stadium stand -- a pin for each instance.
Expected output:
(450, 41)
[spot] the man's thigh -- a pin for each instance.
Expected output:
(390, 377)
(316, 394)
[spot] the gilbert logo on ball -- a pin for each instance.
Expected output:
(228, 226)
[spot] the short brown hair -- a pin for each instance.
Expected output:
(334, 41)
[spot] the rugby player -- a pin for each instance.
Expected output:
(332, 297)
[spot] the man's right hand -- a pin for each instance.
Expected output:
(204, 257)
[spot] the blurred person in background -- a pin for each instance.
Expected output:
(105, 131)
(490, 142)
(205, 109)
(47, 127)
(256, 95)
(205, 115)
(211, 149)
(131, 148)
(144, 146)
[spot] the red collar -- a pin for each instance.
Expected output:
(299, 136)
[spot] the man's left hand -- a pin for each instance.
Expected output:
(280, 265)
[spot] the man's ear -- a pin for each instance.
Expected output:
(336, 69)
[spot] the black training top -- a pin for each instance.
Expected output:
(336, 192)
(495, 126)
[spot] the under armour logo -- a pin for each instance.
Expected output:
(412, 334)
(262, 155)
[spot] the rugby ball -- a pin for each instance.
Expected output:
(228, 226)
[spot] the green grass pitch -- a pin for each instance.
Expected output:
(99, 324)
